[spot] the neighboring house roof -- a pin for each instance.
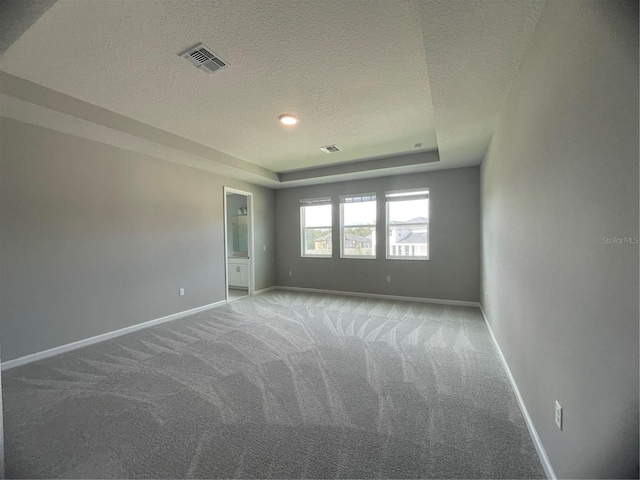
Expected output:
(413, 220)
(354, 238)
(414, 237)
(324, 238)
(348, 236)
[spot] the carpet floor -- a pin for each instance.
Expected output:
(281, 385)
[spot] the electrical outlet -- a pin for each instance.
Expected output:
(486, 294)
(181, 292)
(558, 415)
(264, 248)
(388, 278)
(291, 273)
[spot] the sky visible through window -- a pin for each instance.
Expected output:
(361, 213)
(408, 210)
(318, 216)
(365, 212)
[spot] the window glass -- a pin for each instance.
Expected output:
(316, 227)
(358, 225)
(408, 224)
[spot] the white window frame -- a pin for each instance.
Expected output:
(407, 193)
(310, 202)
(374, 243)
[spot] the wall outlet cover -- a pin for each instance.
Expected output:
(558, 415)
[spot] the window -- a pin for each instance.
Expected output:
(358, 226)
(408, 224)
(315, 223)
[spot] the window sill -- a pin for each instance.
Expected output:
(407, 258)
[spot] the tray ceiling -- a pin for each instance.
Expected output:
(373, 77)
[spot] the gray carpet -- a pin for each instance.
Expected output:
(283, 385)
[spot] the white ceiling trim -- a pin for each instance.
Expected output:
(27, 102)
(419, 159)
(19, 88)
(33, 114)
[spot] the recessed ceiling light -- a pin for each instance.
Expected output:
(288, 119)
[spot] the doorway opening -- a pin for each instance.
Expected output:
(238, 243)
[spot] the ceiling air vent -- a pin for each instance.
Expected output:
(203, 58)
(330, 149)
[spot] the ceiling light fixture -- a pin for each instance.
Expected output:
(288, 119)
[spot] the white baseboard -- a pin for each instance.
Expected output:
(385, 297)
(537, 443)
(264, 290)
(105, 336)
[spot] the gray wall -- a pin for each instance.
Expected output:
(95, 238)
(452, 271)
(560, 174)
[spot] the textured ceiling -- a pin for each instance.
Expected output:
(336, 65)
(374, 77)
(473, 50)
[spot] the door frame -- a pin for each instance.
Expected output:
(251, 249)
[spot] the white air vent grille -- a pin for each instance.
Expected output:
(330, 149)
(203, 58)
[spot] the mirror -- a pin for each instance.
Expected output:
(240, 233)
(237, 228)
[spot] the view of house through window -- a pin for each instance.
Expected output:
(358, 225)
(315, 222)
(408, 224)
